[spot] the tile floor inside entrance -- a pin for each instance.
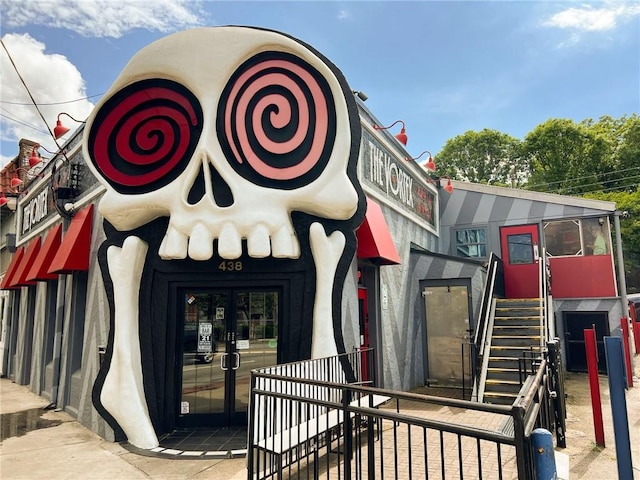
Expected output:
(205, 443)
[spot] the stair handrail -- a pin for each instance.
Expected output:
(484, 324)
(548, 299)
(485, 304)
(547, 330)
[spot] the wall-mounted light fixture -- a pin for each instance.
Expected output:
(448, 187)
(437, 181)
(16, 181)
(430, 165)
(401, 137)
(60, 129)
(3, 198)
(35, 159)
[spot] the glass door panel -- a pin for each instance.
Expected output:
(227, 333)
(203, 379)
(257, 314)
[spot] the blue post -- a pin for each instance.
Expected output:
(617, 379)
(543, 454)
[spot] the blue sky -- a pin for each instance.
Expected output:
(442, 67)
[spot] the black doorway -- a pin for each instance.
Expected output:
(575, 323)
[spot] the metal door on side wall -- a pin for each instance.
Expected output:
(520, 255)
(447, 307)
(226, 334)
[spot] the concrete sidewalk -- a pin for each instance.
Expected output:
(52, 445)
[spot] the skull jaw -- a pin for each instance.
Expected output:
(122, 394)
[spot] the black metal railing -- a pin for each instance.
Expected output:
(493, 287)
(304, 424)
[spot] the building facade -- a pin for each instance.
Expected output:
(165, 252)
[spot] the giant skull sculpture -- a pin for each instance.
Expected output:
(227, 132)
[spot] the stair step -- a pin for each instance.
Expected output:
(515, 342)
(495, 382)
(503, 370)
(517, 301)
(516, 331)
(500, 398)
(510, 368)
(514, 351)
(517, 312)
(519, 319)
(515, 325)
(533, 348)
(517, 337)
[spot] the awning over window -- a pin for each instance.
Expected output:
(11, 271)
(73, 254)
(39, 271)
(374, 239)
(20, 277)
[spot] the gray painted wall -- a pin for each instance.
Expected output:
(401, 324)
(468, 209)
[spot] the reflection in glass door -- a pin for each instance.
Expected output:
(227, 333)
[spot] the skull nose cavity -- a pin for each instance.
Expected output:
(222, 195)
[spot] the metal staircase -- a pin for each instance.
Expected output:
(515, 342)
(512, 335)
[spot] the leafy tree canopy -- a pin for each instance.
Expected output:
(488, 156)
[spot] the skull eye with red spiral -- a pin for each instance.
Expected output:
(276, 121)
(144, 136)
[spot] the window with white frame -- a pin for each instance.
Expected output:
(471, 243)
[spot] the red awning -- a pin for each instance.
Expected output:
(11, 271)
(374, 239)
(73, 254)
(39, 271)
(20, 277)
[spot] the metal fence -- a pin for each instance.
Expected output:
(308, 421)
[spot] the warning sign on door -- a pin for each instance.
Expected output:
(205, 330)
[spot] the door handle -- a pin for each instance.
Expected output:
(237, 361)
(223, 363)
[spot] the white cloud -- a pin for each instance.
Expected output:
(343, 14)
(51, 79)
(103, 18)
(589, 19)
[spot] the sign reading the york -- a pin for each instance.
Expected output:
(383, 172)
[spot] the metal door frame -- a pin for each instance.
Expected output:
(229, 417)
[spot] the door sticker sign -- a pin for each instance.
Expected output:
(184, 408)
(219, 313)
(205, 329)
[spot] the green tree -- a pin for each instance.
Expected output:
(487, 156)
(566, 157)
(623, 150)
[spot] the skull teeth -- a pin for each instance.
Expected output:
(199, 243)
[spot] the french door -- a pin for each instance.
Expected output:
(225, 334)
